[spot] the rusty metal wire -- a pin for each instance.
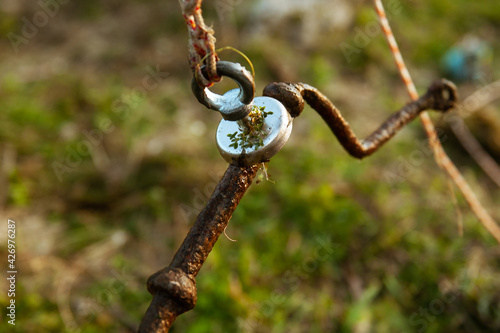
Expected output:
(441, 95)
(174, 287)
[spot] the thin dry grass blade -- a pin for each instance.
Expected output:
(440, 155)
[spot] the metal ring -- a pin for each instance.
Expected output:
(235, 104)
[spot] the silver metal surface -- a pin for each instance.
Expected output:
(277, 126)
(234, 104)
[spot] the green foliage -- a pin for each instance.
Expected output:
(252, 133)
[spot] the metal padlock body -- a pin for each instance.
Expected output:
(277, 128)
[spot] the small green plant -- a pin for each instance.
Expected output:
(263, 175)
(252, 133)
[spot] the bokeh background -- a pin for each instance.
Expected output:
(106, 158)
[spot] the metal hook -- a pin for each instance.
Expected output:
(235, 104)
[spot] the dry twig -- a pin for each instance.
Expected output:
(479, 99)
(440, 155)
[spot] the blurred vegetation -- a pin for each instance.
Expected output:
(104, 174)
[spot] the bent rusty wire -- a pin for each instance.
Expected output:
(441, 96)
(174, 287)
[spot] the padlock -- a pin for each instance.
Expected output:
(253, 130)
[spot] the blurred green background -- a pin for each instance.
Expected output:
(106, 158)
